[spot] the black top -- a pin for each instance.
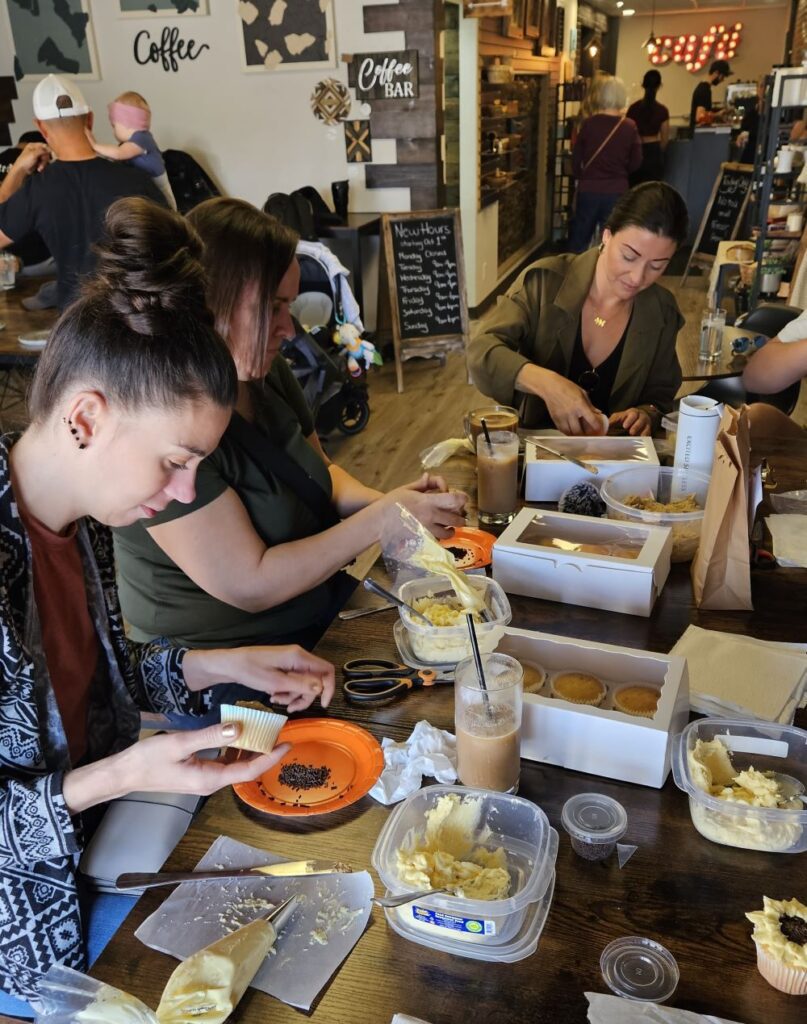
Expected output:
(600, 380)
(701, 97)
(66, 204)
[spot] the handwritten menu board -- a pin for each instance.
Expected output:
(725, 209)
(422, 255)
(424, 261)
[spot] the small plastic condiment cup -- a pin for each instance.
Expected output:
(639, 969)
(595, 824)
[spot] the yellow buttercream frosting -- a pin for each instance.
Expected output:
(446, 854)
(711, 770)
(774, 923)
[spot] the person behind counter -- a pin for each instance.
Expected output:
(133, 389)
(258, 553)
(782, 361)
(606, 150)
(652, 120)
(701, 113)
(577, 336)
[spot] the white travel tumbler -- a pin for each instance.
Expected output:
(698, 422)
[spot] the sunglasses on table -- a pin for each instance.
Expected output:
(743, 344)
(588, 380)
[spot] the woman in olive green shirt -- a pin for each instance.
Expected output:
(577, 337)
(257, 554)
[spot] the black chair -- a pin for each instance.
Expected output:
(766, 319)
(190, 182)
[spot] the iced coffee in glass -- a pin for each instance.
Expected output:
(497, 477)
(497, 417)
(487, 723)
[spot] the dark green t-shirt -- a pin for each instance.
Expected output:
(158, 599)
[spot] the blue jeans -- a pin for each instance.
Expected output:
(592, 210)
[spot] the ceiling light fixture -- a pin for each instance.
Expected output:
(628, 12)
(650, 43)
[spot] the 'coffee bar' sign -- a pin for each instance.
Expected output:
(385, 76)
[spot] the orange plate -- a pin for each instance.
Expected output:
(353, 755)
(478, 544)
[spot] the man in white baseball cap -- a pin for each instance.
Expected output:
(62, 188)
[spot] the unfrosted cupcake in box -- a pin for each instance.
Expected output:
(780, 935)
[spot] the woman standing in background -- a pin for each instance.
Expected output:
(605, 152)
(653, 123)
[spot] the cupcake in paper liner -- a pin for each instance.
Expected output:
(579, 688)
(637, 699)
(259, 726)
(780, 935)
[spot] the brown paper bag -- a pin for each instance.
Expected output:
(721, 569)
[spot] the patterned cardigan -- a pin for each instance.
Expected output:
(40, 842)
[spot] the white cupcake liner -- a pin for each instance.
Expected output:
(553, 676)
(792, 980)
(636, 714)
(259, 729)
(538, 667)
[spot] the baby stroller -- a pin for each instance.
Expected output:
(337, 397)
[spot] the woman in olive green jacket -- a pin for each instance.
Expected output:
(577, 337)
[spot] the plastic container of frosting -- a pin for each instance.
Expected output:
(722, 814)
(501, 930)
(443, 645)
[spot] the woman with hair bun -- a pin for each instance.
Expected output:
(133, 389)
(587, 342)
(652, 120)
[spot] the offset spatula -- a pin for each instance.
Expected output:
(289, 869)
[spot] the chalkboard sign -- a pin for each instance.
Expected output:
(426, 279)
(724, 212)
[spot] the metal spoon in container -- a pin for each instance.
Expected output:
(372, 586)
(408, 897)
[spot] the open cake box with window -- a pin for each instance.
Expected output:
(547, 477)
(599, 563)
(600, 739)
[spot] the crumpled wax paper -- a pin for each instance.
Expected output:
(789, 534)
(604, 1009)
(435, 455)
(428, 751)
(198, 913)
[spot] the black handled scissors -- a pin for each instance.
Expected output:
(373, 680)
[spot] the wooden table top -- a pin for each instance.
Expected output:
(728, 365)
(19, 320)
(678, 889)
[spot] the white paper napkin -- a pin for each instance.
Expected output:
(789, 533)
(404, 1018)
(428, 751)
(731, 675)
(604, 1009)
(198, 913)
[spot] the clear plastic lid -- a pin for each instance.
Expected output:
(638, 968)
(594, 818)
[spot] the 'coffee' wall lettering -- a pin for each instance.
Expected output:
(169, 51)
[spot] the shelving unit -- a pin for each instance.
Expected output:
(569, 98)
(772, 187)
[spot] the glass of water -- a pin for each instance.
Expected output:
(711, 344)
(8, 267)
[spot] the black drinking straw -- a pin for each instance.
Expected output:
(469, 618)
(487, 434)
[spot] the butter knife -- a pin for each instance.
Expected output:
(357, 613)
(562, 455)
(289, 869)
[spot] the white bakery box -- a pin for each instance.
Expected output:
(547, 477)
(598, 563)
(601, 740)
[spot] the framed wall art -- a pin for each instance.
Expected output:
(513, 24)
(533, 17)
(162, 8)
(287, 35)
(548, 28)
(52, 38)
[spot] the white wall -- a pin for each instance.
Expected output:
(255, 132)
(762, 45)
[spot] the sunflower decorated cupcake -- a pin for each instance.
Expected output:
(780, 935)
(579, 688)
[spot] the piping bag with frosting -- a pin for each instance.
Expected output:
(405, 541)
